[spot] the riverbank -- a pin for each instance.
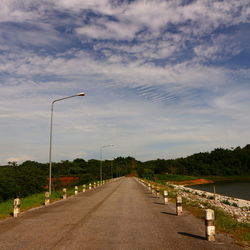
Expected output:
(238, 208)
(193, 182)
(231, 219)
(235, 178)
(198, 180)
(187, 180)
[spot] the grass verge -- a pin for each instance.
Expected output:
(31, 201)
(224, 222)
(174, 177)
(162, 178)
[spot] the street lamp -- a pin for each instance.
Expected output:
(111, 169)
(105, 146)
(50, 141)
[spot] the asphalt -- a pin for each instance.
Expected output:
(119, 215)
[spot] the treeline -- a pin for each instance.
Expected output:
(219, 162)
(32, 177)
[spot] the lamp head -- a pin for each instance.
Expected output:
(81, 94)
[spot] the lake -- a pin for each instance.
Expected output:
(233, 189)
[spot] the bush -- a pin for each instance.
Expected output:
(86, 178)
(224, 221)
(234, 204)
(227, 202)
(211, 197)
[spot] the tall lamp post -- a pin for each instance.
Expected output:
(50, 141)
(111, 169)
(105, 146)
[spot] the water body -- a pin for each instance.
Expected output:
(233, 189)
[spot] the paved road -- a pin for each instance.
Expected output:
(119, 215)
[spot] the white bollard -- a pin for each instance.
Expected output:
(90, 186)
(47, 198)
(209, 223)
(178, 205)
(94, 185)
(64, 193)
(76, 190)
(98, 184)
(154, 191)
(157, 192)
(165, 196)
(84, 188)
(17, 204)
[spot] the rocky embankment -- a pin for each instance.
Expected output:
(238, 208)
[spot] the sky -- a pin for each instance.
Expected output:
(162, 78)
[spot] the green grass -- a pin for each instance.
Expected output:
(31, 201)
(231, 178)
(34, 200)
(174, 177)
(224, 222)
(6, 208)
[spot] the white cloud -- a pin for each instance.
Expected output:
(221, 47)
(151, 96)
(109, 30)
(18, 159)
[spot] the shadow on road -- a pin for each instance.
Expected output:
(159, 203)
(169, 213)
(192, 235)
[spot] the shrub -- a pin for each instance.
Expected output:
(234, 204)
(227, 202)
(211, 197)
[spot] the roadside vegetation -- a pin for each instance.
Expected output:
(31, 201)
(173, 177)
(227, 163)
(31, 177)
(224, 222)
(29, 180)
(196, 180)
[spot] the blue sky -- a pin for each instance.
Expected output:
(163, 79)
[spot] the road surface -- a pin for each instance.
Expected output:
(119, 215)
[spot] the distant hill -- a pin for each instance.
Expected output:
(220, 162)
